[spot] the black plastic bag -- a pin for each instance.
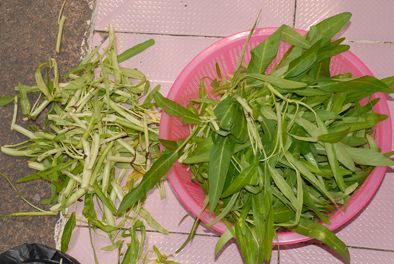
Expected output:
(35, 254)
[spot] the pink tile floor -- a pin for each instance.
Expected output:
(183, 28)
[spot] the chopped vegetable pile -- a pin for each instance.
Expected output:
(95, 130)
(273, 150)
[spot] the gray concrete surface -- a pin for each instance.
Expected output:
(27, 37)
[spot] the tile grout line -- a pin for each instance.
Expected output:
(373, 249)
(219, 36)
(361, 41)
(295, 13)
(169, 232)
(216, 236)
(160, 34)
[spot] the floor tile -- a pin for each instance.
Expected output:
(185, 17)
(378, 57)
(372, 20)
(201, 251)
(163, 61)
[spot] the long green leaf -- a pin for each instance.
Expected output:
(303, 63)
(40, 81)
(219, 162)
(314, 230)
(353, 141)
(104, 199)
(24, 99)
(338, 100)
(223, 240)
(329, 27)
(369, 157)
(113, 246)
(277, 81)
(131, 52)
(264, 53)
(90, 214)
(333, 161)
(264, 223)
(150, 95)
(239, 67)
(159, 169)
(88, 208)
(290, 55)
(246, 177)
(227, 209)
(6, 100)
(283, 186)
(151, 221)
(45, 173)
(334, 137)
(174, 109)
(309, 127)
(311, 205)
(294, 38)
(246, 241)
(331, 52)
(309, 176)
(358, 88)
(191, 235)
(201, 152)
(130, 256)
(332, 157)
(344, 157)
(389, 81)
(169, 144)
(225, 113)
(68, 229)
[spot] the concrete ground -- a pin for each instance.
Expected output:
(28, 32)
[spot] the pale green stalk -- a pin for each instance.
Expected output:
(47, 154)
(97, 168)
(36, 165)
(72, 176)
(115, 137)
(118, 190)
(106, 176)
(37, 111)
(94, 151)
(126, 146)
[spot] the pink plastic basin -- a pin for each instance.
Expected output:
(226, 52)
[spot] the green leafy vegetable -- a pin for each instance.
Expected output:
(334, 136)
(369, 157)
(151, 178)
(249, 176)
(264, 223)
(321, 233)
(264, 53)
(223, 240)
(175, 109)
(220, 157)
(281, 150)
(68, 229)
(6, 100)
(280, 82)
(131, 52)
(329, 27)
(292, 37)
